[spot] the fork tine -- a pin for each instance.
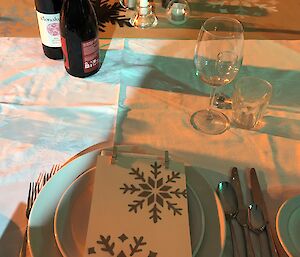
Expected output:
(39, 177)
(36, 190)
(47, 176)
(36, 187)
(55, 168)
(28, 200)
(45, 179)
(29, 194)
(38, 181)
(33, 186)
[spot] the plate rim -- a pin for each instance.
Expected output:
(67, 168)
(279, 219)
(61, 248)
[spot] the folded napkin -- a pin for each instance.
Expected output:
(139, 208)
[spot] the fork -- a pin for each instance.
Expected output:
(34, 189)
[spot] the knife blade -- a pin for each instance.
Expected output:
(235, 181)
(259, 200)
(242, 216)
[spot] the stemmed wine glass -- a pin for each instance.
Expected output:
(218, 58)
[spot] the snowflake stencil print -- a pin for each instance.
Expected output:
(157, 192)
(137, 203)
(108, 245)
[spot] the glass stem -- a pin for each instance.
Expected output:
(211, 102)
(212, 97)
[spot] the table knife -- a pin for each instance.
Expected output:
(243, 212)
(259, 200)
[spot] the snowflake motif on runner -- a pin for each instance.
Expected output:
(155, 192)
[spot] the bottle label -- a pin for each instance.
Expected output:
(49, 29)
(90, 55)
(65, 52)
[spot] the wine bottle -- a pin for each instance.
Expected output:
(79, 38)
(48, 15)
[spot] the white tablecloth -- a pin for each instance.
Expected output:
(143, 94)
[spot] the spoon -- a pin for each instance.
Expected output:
(228, 200)
(256, 221)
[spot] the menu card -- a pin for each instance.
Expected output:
(139, 208)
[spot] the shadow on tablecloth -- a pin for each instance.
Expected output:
(11, 234)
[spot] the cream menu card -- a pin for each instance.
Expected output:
(139, 208)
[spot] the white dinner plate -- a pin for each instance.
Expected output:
(72, 214)
(288, 226)
(41, 221)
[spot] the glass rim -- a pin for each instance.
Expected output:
(222, 18)
(267, 84)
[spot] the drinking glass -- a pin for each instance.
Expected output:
(250, 99)
(218, 57)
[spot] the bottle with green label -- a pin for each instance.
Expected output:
(79, 38)
(48, 16)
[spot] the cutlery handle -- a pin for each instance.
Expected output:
(233, 240)
(249, 246)
(271, 240)
(24, 245)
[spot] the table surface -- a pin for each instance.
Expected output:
(144, 94)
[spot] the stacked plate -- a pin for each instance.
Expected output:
(59, 217)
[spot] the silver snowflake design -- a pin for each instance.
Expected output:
(155, 192)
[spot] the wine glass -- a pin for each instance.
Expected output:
(218, 57)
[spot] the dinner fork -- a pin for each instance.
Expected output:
(34, 189)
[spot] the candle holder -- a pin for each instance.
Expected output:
(178, 11)
(144, 17)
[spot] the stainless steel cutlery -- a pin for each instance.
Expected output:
(258, 199)
(252, 219)
(242, 216)
(228, 200)
(34, 189)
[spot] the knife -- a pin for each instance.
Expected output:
(259, 200)
(242, 216)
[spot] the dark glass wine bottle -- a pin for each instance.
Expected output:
(79, 38)
(48, 15)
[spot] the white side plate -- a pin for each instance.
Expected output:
(288, 226)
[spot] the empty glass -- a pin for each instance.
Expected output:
(218, 57)
(250, 99)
